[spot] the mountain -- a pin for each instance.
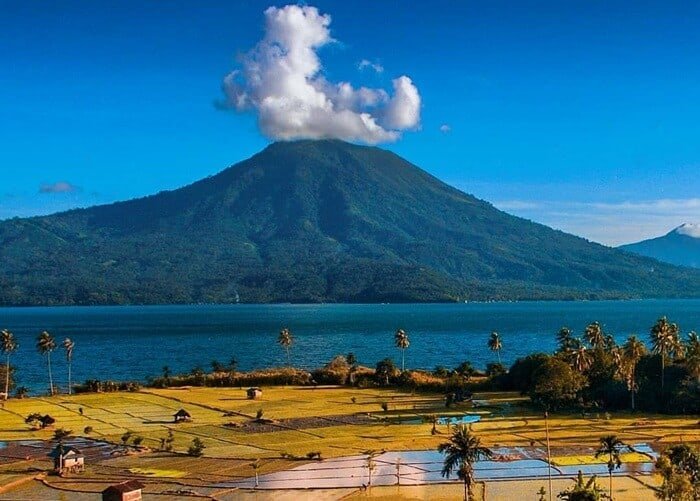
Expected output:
(681, 246)
(313, 221)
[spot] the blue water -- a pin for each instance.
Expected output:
(136, 342)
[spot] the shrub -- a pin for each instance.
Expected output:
(197, 447)
(556, 385)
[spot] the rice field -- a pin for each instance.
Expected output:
(302, 420)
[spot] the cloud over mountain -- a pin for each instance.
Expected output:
(281, 80)
(58, 187)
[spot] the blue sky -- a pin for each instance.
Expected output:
(580, 115)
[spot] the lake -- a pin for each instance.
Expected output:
(135, 342)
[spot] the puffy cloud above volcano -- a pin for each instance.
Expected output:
(281, 80)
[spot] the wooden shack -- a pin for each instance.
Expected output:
(67, 459)
(182, 416)
(254, 393)
(124, 491)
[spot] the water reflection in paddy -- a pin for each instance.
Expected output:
(422, 467)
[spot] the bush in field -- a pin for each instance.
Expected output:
(88, 429)
(385, 371)
(259, 414)
(520, 375)
(137, 441)
(126, 437)
(61, 434)
(197, 447)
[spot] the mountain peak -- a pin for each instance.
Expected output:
(688, 229)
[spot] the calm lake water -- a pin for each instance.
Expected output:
(136, 342)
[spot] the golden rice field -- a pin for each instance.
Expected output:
(221, 418)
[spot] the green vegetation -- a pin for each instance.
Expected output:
(461, 451)
(313, 221)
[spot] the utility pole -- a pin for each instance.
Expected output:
(549, 454)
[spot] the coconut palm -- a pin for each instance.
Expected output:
(461, 452)
(8, 345)
(495, 344)
(565, 340)
(632, 352)
(45, 344)
(401, 342)
(692, 355)
(285, 340)
(594, 335)
(611, 447)
(665, 341)
(581, 358)
(68, 345)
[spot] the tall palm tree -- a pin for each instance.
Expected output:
(692, 355)
(401, 342)
(285, 340)
(611, 447)
(68, 345)
(594, 335)
(495, 344)
(45, 344)
(665, 341)
(632, 352)
(565, 340)
(581, 358)
(8, 345)
(461, 452)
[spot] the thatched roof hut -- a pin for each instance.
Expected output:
(182, 415)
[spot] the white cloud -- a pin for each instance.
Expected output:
(58, 187)
(281, 80)
(445, 128)
(689, 229)
(366, 63)
(613, 223)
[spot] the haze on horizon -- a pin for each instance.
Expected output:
(582, 117)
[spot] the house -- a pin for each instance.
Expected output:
(124, 491)
(182, 416)
(67, 459)
(254, 393)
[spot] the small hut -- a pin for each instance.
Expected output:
(182, 416)
(67, 459)
(124, 491)
(254, 393)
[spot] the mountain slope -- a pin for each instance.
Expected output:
(312, 221)
(680, 247)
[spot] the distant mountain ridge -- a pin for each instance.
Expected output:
(681, 246)
(313, 221)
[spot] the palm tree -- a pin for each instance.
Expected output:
(285, 340)
(594, 335)
(68, 345)
(565, 340)
(401, 342)
(45, 344)
(611, 447)
(632, 352)
(495, 344)
(461, 452)
(692, 355)
(8, 345)
(581, 358)
(665, 342)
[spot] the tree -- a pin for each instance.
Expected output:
(401, 342)
(461, 452)
(594, 335)
(582, 490)
(677, 483)
(197, 447)
(665, 342)
(692, 355)
(581, 358)
(556, 384)
(384, 370)
(45, 344)
(61, 434)
(565, 340)
(611, 447)
(68, 345)
(632, 352)
(8, 345)
(495, 344)
(285, 340)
